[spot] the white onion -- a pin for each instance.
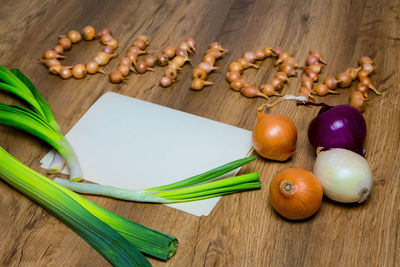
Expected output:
(345, 176)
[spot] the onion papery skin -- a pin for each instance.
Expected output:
(274, 136)
(304, 197)
(345, 175)
(340, 126)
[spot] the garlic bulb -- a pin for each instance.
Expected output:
(345, 176)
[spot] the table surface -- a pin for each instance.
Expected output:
(243, 229)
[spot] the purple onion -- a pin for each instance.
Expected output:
(340, 126)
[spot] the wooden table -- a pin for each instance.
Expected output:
(243, 229)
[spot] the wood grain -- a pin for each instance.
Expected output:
(242, 230)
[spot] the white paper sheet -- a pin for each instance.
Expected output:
(129, 143)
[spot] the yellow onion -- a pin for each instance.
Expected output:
(274, 136)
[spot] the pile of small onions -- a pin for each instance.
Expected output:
(342, 80)
(295, 193)
(138, 48)
(287, 68)
(199, 74)
(79, 71)
(358, 97)
(311, 73)
(274, 136)
(234, 75)
(179, 57)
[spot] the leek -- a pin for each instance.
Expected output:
(107, 241)
(191, 189)
(27, 120)
(16, 82)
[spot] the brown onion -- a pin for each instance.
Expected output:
(103, 31)
(162, 60)
(139, 43)
(182, 52)
(367, 82)
(274, 136)
(368, 67)
(344, 79)
(88, 33)
(311, 74)
(50, 62)
(58, 49)
(365, 60)
(105, 38)
(65, 43)
(103, 58)
(238, 84)
(171, 73)
(233, 75)
(124, 70)
(311, 60)
(108, 49)
(169, 51)
(198, 84)
(260, 55)
(144, 38)
(79, 71)
(236, 66)
(252, 91)
(215, 53)
(276, 83)
(141, 67)
(57, 68)
(150, 61)
(199, 73)
(330, 82)
(318, 54)
(250, 56)
(269, 90)
(282, 57)
(92, 67)
(166, 81)
(268, 51)
(357, 100)
(314, 68)
(207, 67)
(307, 82)
(209, 59)
(246, 64)
(113, 43)
(191, 43)
(65, 73)
(282, 76)
(116, 76)
(74, 36)
(323, 90)
(51, 54)
(277, 51)
(288, 69)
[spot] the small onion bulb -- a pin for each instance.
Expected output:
(345, 175)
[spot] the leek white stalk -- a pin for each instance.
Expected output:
(345, 175)
(191, 189)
